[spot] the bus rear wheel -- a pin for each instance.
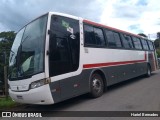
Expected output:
(148, 74)
(96, 86)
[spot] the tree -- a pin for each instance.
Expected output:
(157, 43)
(143, 35)
(6, 41)
(157, 46)
(158, 53)
(7, 36)
(158, 35)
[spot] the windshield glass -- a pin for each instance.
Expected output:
(27, 53)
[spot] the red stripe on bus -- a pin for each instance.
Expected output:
(111, 63)
(114, 63)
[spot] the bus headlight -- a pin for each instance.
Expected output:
(39, 83)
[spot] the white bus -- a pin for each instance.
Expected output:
(57, 56)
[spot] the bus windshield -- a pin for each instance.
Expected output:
(27, 52)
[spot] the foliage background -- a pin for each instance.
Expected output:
(6, 41)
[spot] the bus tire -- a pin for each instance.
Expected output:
(148, 74)
(96, 86)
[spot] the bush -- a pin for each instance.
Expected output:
(7, 103)
(158, 53)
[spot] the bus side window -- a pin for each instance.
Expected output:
(137, 43)
(113, 39)
(93, 36)
(117, 39)
(127, 42)
(99, 37)
(110, 38)
(144, 44)
(150, 45)
(89, 35)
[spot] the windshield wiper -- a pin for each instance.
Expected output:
(26, 38)
(13, 53)
(19, 52)
(20, 72)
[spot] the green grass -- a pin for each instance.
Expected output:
(7, 103)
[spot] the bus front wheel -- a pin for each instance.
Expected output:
(96, 86)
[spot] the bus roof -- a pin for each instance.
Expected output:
(97, 24)
(89, 22)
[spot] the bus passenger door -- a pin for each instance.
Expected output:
(63, 55)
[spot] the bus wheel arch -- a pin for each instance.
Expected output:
(99, 77)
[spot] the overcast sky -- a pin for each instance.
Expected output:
(136, 16)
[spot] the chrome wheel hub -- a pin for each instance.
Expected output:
(96, 85)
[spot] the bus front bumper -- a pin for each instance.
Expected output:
(40, 95)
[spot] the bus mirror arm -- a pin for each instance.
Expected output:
(50, 32)
(47, 52)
